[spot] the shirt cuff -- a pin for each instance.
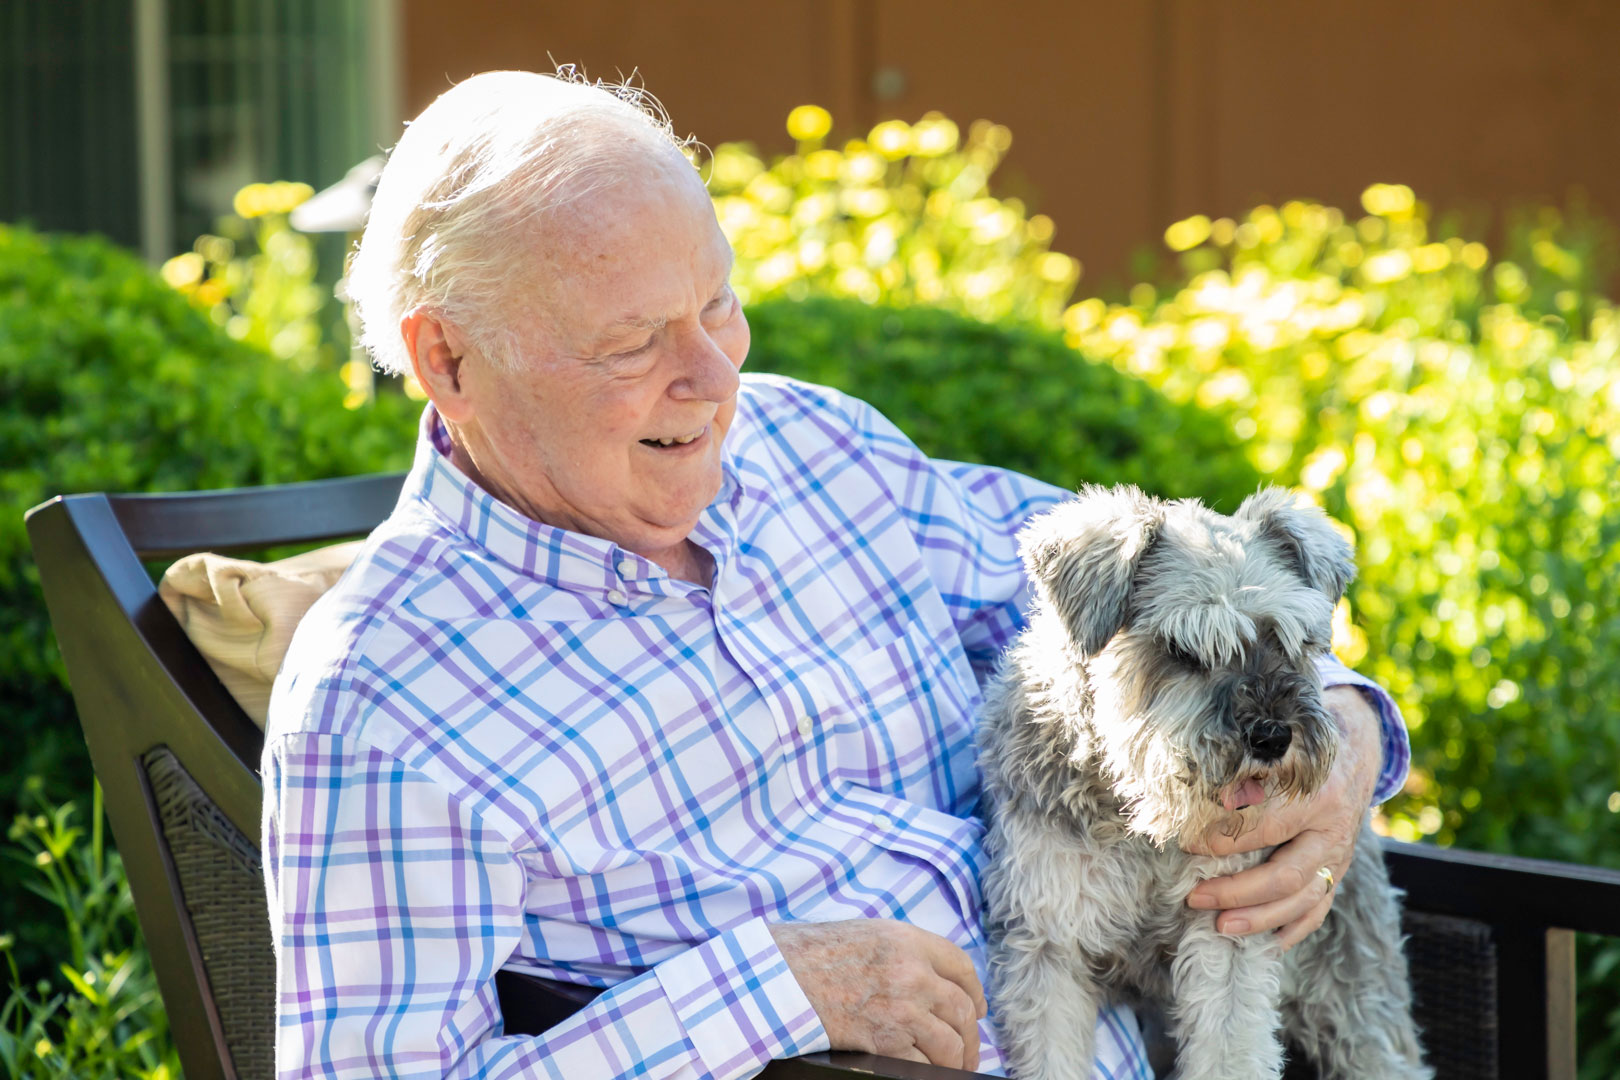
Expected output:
(1392, 728)
(739, 1002)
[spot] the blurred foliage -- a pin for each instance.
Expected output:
(111, 381)
(257, 277)
(1461, 412)
(1003, 395)
(904, 216)
(100, 1014)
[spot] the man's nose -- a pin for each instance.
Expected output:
(707, 372)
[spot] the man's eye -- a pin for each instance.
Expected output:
(721, 305)
(628, 354)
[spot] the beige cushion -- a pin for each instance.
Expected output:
(241, 615)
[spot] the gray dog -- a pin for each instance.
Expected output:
(1166, 686)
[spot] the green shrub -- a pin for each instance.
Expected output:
(111, 381)
(1002, 395)
(102, 1015)
(1462, 414)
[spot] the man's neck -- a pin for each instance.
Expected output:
(687, 561)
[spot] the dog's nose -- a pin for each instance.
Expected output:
(1268, 740)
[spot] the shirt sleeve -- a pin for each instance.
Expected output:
(966, 519)
(392, 907)
(1392, 727)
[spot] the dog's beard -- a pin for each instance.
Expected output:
(1178, 770)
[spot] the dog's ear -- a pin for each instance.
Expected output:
(1307, 538)
(1082, 556)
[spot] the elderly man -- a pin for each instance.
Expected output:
(657, 679)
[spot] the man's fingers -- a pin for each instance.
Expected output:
(955, 1008)
(1273, 916)
(1300, 928)
(1264, 884)
(908, 1053)
(1313, 892)
(1287, 872)
(941, 1043)
(952, 963)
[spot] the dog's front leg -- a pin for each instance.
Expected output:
(1045, 1005)
(1225, 1010)
(1055, 903)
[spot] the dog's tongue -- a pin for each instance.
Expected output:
(1244, 793)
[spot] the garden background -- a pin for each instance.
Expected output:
(1446, 384)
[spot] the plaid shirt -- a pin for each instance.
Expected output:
(495, 744)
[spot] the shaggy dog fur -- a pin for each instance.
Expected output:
(1165, 686)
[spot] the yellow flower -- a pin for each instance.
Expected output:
(1187, 234)
(1387, 266)
(1474, 256)
(823, 164)
(892, 139)
(251, 201)
(1388, 200)
(1431, 257)
(1057, 268)
(284, 196)
(182, 270)
(808, 123)
(934, 135)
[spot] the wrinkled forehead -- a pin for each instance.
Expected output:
(629, 252)
(1212, 584)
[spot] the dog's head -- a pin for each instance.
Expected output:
(1198, 633)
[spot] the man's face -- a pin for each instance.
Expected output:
(611, 420)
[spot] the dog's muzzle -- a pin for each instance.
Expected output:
(1268, 740)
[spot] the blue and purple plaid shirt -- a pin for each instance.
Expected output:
(498, 744)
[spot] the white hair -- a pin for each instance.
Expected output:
(490, 156)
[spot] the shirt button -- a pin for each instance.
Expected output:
(617, 598)
(883, 821)
(805, 724)
(626, 568)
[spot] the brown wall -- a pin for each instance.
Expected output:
(1125, 114)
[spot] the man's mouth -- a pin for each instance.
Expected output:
(674, 440)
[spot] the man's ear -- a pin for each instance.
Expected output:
(1318, 553)
(1082, 556)
(437, 349)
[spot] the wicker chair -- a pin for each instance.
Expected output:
(1491, 947)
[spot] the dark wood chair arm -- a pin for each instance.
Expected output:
(1506, 890)
(532, 1004)
(829, 1065)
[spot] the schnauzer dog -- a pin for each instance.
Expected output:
(1166, 686)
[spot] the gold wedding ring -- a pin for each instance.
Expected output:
(1326, 875)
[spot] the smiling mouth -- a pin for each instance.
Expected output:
(674, 440)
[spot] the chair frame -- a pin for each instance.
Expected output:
(139, 683)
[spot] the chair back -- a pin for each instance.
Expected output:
(178, 759)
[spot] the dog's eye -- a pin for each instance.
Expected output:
(1182, 656)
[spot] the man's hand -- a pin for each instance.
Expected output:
(888, 988)
(1285, 893)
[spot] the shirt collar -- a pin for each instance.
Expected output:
(569, 560)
